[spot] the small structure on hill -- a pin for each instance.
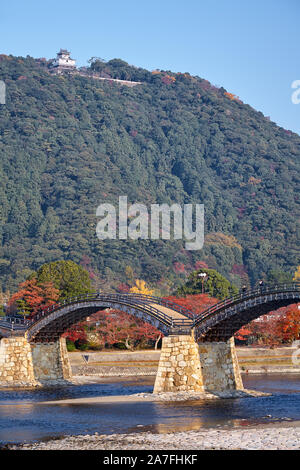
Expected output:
(63, 62)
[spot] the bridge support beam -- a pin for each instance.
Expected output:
(220, 368)
(50, 362)
(179, 366)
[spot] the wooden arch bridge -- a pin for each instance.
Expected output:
(217, 323)
(186, 334)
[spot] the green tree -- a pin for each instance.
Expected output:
(215, 285)
(279, 277)
(70, 278)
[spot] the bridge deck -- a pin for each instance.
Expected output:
(170, 312)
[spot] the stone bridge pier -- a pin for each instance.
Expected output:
(184, 365)
(187, 366)
(33, 364)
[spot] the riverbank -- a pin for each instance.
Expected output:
(143, 363)
(265, 437)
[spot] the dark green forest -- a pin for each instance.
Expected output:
(69, 143)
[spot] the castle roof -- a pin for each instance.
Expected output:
(63, 51)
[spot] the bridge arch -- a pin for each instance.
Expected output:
(48, 325)
(221, 321)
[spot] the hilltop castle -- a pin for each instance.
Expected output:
(63, 62)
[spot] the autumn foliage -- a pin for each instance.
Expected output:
(297, 274)
(77, 333)
(140, 287)
(32, 297)
(196, 303)
(232, 97)
(273, 329)
(113, 328)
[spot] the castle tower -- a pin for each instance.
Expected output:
(63, 61)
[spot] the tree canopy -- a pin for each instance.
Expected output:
(215, 284)
(68, 277)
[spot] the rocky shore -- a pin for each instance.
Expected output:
(266, 437)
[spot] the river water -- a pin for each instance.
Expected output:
(24, 419)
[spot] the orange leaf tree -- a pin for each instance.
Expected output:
(32, 297)
(116, 327)
(197, 303)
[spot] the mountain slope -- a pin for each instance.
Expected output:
(70, 143)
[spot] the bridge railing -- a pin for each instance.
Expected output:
(247, 295)
(166, 303)
(16, 323)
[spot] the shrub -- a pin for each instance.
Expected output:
(70, 346)
(82, 346)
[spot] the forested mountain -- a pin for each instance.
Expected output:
(69, 143)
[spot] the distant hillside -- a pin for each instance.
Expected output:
(69, 143)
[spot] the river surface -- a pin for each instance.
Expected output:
(24, 419)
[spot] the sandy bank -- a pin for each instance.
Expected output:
(151, 397)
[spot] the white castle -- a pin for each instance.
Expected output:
(63, 61)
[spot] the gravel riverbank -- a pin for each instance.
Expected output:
(276, 437)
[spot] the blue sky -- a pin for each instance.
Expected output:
(251, 47)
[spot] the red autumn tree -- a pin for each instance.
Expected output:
(196, 303)
(32, 297)
(278, 327)
(288, 324)
(114, 328)
(76, 333)
(243, 334)
(200, 265)
(119, 327)
(179, 267)
(123, 288)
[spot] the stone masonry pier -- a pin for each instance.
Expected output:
(33, 364)
(185, 365)
(51, 362)
(16, 367)
(220, 368)
(179, 367)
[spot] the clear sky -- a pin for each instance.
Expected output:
(250, 47)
